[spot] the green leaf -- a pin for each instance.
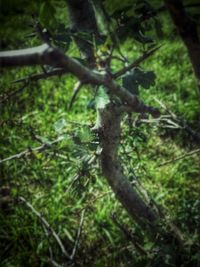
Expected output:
(68, 234)
(85, 135)
(140, 37)
(59, 125)
(145, 78)
(107, 233)
(76, 139)
(63, 37)
(102, 98)
(91, 104)
(130, 83)
(93, 146)
(133, 79)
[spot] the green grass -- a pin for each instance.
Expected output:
(45, 179)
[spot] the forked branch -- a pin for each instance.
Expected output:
(46, 55)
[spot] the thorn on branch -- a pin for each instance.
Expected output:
(76, 90)
(135, 63)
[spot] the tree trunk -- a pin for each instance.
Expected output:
(150, 220)
(109, 135)
(109, 130)
(83, 21)
(187, 29)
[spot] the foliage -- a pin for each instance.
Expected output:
(63, 180)
(136, 78)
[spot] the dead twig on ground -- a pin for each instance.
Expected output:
(78, 235)
(6, 96)
(29, 151)
(191, 153)
(47, 225)
(130, 236)
(179, 121)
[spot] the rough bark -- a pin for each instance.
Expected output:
(187, 29)
(109, 135)
(148, 218)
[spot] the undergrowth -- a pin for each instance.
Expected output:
(61, 183)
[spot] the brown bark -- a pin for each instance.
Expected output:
(149, 219)
(109, 134)
(187, 29)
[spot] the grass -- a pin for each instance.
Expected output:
(45, 179)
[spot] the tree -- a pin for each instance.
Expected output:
(113, 100)
(188, 30)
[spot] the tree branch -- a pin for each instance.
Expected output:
(135, 63)
(6, 96)
(180, 157)
(39, 76)
(31, 150)
(24, 57)
(109, 134)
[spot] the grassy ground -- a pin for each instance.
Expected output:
(61, 184)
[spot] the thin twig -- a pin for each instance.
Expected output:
(47, 225)
(183, 124)
(135, 63)
(119, 59)
(30, 150)
(93, 200)
(163, 119)
(42, 33)
(129, 236)
(13, 93)
(164, 107)
(180, 157)
(91, 159)
(47, 55)
(50, 249)
(43, 75)
(78, 235)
